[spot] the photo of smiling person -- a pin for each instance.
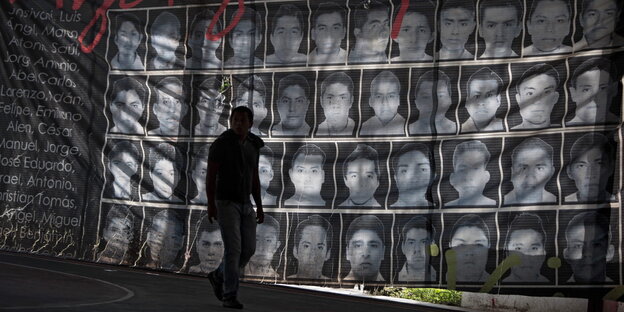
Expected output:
(500, 23)
(548, 25)
(599, 20)
(287, 32)
(416, 32)
(165, 35)
(483, 98)
(128, 37)
(169, 108)
(456, 24)
(165, 163)
(537, 93)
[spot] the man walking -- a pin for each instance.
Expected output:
(232, 177)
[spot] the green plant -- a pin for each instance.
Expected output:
(431, 295)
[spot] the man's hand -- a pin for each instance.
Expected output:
(212, 213)
(259, 215)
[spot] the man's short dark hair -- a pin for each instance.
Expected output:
(388, 76)
(535, 3)
(594, 63)
(205, 226)
(170, 80)
(288, 10)
(468, 5)
(267, 152)
(315, 220)
(329, 8)
(293, 80)
(598, 219)
(361, 151)
(526, 221)
(366, 222)
(200, 154)
(532, 143)
(129, 84)
(412, 147)
(242, 110)
(272, 222)
(360, 15)
(309, 150)
(485, 73)
(252, 83)
(131, 18)
(486, 4)
(249, 15)
(124, 147)
(433, 76)
(590, 141)
(471, 220)
(337, 78)
(469, 146)
(419, 222)
(163, 19)
(119, 212)
(536, 70)
(165, 151)
(425, 8)
(170, 217)
(205, 14)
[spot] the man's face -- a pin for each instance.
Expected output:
(210, 248)
(456, 26)
(164, 178)
(292, 107)
(483, 100)
(118, 233)
(594, 91)
(240, 123)
(312, 250)
(126, 108)
(257, 105)
(165, 41)
(471, 246)
(361, 179)
(168, 108)
(244, 39)
(287, 35)
(424, 98)
(123, 166)
(210, 106)
(265, 172)
(307, 174)
(549, 24)
(199, 175)
(267, 243)
(415, 33)
(500, 26)
(164, 241)
(385, 99)
(591, 172)
(365, 252)
(470, 175)
(599, 19)
(531, 169)
(528, 244)
(587, 251)
(536, 98)
(328, 32)
(375, 33)
(415, 247)
(413, 171)
(127, 38)
(198, 41)
(336, 102)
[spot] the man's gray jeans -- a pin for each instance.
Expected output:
(238, 230)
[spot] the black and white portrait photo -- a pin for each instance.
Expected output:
(361, 175)
(416, 34)
(371, 30)
(328, 31)
(365, 249)
(537, 94)
(268, 242)
(164, 241)
(433, 97)
(208, 246)
(209, 105)
(414, 170)
(266, 174)
(337, 99)
(457, 23)
(384, 97)
(548, 27)
(599, 20)
(471, 174)
(165, 163)
(117, 235)
(129, 35)
(500, 24)
(252, 92)
(470, 241)
(287, 32)
(205, 53)
(417, 237)
(124, 160)
(127, 106)
(313, 238)
(169, 108)
(244, 39)
(292, 103)
(307, 174)
(483, 99)
(199, 172)
(526, 239)
(165, 35)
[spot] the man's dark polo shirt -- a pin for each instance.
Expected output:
(237, 162)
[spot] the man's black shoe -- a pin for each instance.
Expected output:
(232, 303)
(217, 285)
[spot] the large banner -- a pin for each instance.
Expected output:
(454, 144)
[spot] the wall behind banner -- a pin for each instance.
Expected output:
(425, 144)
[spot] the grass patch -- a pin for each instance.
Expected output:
(431, 295)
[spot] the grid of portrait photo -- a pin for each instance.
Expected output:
(421, 145)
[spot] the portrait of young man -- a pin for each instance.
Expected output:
(470, 240)
(537, 93)
(117, 234)
(413, 175)
(266, 174)
(599, 19)
(336, 101)
(209, 247)
(128, 37)
(286, 35)
(456, 23)
(312, 248)
(164, 242)
(127, 106)
(245, 38)
(165, 162)
(526, 238)
(532, 167)
(252, 93)
(432, 99)
(329, 28)
(548, 25)
(360, 172)
(199, 171)
(417, 236)
(307, 175)
(592, 163)
(210, 104)
(371, 20)
(123, 163)
(365, 249)
(205, 53)
(292, 106)
(384, 98)
(267, 244)
(484, 89)
(500, 23)
(170, 108)
(165, 34)
(416, 32)
(470, 174)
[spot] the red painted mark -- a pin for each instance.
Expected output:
(396, 26)
(124, 5)
(75, 6)
(100, 13)
(215, 18)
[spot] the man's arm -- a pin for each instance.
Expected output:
(255, 192)
(211, 186)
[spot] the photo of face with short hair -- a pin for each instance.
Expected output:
(204, 53)
(537, 96)
(500, 28)
(169, 108)
(209, 103)
(327, 34)
(485, 99)
(254, 92)
(129, 34)
(548, 27)
(416, 34)
(292, 102)
(198, 172)
(124, 160)
(599, 21)
(166, 165)
(366, 250)
(456, 26)
(208, 244)
(288, 28)
(128, 100)
(529, 167)
(382, 91)
(593, 86)
(312, 249)
(338, 101)
(371, 32)
(362, 175)
(309, 174)
(117, 235)
(165, 33)
(268, 243)
(417, 238)
(164, 240)
(413, 172)
(269, 174)
(244, 44)
(433, 94)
